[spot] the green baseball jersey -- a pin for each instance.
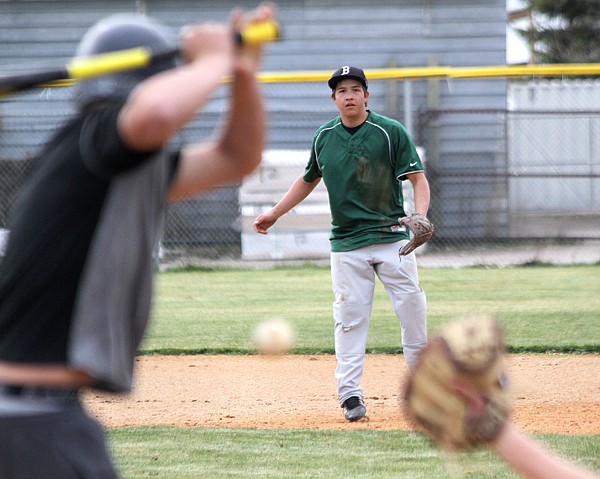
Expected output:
(363, 173)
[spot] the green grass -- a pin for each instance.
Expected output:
(542, 308)
(215, 311)
(182, 453)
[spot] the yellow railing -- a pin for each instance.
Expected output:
(497, 71)
(500, 71)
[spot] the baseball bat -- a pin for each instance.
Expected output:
(113, 62)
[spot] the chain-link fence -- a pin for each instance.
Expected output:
(500, 179)
(535, 184)
(538, 178)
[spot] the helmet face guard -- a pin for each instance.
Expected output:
(114, 33)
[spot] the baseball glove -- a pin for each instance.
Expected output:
(421, 229)
(458, 392)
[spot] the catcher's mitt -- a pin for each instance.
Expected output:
(421, 229)
(458, 392)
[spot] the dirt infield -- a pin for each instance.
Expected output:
(553, 393)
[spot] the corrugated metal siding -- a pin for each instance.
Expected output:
(457, 33)
(34, 35)
(560, 151)
(319, 35)
(554, 95)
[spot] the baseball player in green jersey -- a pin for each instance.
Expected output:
(363, 158)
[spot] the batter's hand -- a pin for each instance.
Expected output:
(263, 222)
(248, 57)
(197, 41)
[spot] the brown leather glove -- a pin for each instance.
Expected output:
(421, 229)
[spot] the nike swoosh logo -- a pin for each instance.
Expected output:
(412, 164)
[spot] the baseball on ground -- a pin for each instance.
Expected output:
(274, 337)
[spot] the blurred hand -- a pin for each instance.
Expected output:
(248, 57)
(204, 40)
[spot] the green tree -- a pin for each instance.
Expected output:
(564, 31)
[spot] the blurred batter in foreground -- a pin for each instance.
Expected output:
(76, 281)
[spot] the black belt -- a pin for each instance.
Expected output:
(37, 392)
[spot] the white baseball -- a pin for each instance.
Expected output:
(274, 337)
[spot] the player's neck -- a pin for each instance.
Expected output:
(353, 121)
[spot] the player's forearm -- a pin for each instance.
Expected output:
(530, 460)
(166, 102)
(422, 195)
(297, 193)
(184, 91)
(422, 202)
(243, 138)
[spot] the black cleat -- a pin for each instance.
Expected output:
(354, 408)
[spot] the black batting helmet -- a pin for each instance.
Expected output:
(120, 32)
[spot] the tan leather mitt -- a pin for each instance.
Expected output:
(458, 392)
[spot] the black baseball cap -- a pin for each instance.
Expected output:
(347, 72)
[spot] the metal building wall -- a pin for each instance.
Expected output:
(319, 35)
(554, 158)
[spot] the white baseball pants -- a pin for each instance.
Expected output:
(353, 280)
